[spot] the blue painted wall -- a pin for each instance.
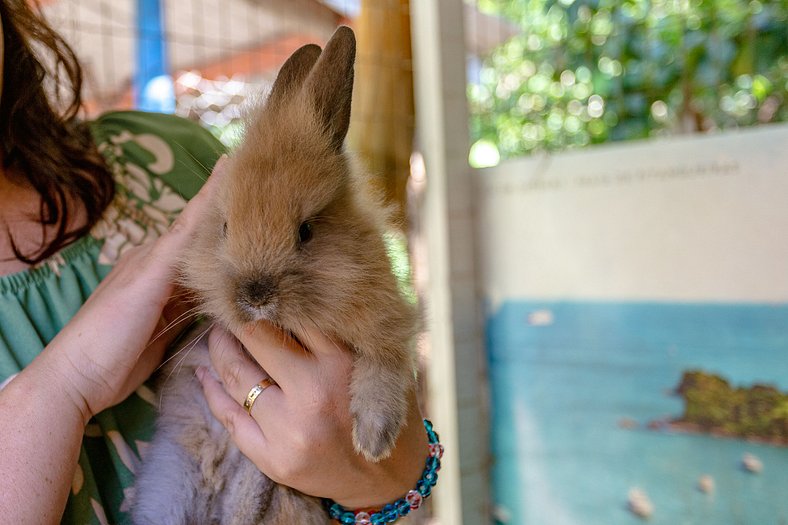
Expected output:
(562, 389)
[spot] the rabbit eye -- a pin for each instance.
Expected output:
(305, 232)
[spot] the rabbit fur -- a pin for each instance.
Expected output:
(255, 259)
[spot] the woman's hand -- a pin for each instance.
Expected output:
(299, 432)
(120, 334)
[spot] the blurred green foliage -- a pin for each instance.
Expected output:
(590, 71)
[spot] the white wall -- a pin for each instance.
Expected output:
(700, 218)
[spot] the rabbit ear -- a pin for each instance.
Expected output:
(330, 85)
(293, 72)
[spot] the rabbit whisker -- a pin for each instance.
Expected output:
(174, 322)
(188, 350)
(191, 345)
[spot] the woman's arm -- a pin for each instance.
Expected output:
(40, 432)
(96, 361)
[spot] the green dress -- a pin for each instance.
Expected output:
(158, 162)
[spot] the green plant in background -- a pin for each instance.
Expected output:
(585, 72)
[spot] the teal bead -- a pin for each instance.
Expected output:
(390, 513)
(403, 507)
(348, 518)
(378, 518)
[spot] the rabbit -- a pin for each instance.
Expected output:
(294, 236)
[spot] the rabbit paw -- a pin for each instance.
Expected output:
(379, 408)
(374, 434)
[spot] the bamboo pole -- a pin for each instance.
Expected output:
(383, 101)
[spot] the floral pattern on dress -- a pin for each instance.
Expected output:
(144, 204)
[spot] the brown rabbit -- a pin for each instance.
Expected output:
(293, 238)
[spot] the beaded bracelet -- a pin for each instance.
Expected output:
(402, 507)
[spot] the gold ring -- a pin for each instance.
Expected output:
(256, 391)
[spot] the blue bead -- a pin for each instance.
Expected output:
(348, 518)
(428, 425)
(377, 518)
(403, 507)
(336, 510)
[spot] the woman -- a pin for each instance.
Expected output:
(85, 210)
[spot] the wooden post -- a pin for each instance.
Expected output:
(383, 102)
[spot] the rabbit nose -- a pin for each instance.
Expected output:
(257, 292)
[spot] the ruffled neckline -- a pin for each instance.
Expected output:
(15, 282)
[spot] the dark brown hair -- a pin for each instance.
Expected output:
(42, 139)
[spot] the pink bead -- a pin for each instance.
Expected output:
(362, 518)
(414, 499)
(436, 450)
